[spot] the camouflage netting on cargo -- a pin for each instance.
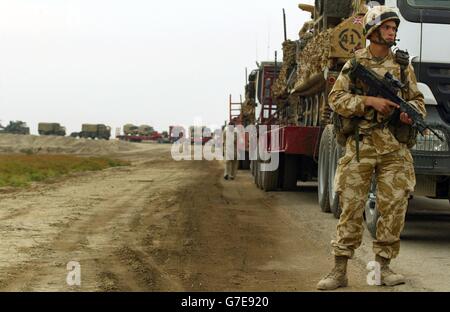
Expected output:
(314, 57)
(279, 89)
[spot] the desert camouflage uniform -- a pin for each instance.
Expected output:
(230, 153)
(380, 153)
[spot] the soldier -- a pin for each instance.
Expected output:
(381, 150)
(230, 151)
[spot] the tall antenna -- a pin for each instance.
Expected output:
(268, 40)
(246, 76)
(284, 25)
(257, 57)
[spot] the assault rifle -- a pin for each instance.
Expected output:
(387, 88)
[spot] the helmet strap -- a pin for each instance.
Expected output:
(380, 40)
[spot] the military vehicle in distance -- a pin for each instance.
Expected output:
(130, 129)
(15, 127)
(47, 128)
(133, 133)
(146, 130)
(93, 131)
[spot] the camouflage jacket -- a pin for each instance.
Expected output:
(346, 103)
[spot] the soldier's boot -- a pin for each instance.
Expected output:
(337, 277)
(388, 277)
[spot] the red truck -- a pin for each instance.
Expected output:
(298, 145)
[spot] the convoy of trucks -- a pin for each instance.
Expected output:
(131, 132)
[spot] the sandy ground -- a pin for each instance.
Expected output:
(161, 225)
(13, 143)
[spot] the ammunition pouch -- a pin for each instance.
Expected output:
(344, 127)
(404, 133)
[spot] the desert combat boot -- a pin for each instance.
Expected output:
(388, 277)
(337, 277)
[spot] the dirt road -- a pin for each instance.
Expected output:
(161, 225)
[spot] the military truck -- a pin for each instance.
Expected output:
(45, 128)
(133, 133)
(15, 127)
(130, 129)
(93, 131)
(308, 148)
(146, 130)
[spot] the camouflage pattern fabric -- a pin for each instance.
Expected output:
(279, 88)
(230, 152)
(293, 110)
(395, 177)
(346, 104)
(248, 112)
(380, 153)
(231, 168)
(314, 57)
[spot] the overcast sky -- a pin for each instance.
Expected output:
(137, 61)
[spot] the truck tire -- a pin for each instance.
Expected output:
(289, 176)
(246, 161)
(256, 172)
(337, 152)
(371, 213)
(323, 167)
(270, 180)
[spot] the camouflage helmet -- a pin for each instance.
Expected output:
(376, 16)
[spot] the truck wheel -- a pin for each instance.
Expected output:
(370, 211)
(289, 177)
(270, 180)
(337, 152)
(322, 175)
(246, 162)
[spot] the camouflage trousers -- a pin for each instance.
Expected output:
(231, 168)
(293, 110)
(395, 178)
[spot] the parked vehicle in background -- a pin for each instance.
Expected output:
(93, 131)
(46, 128)
(15, 127)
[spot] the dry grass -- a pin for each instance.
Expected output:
(20, 170)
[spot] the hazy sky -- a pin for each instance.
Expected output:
(138, 61)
